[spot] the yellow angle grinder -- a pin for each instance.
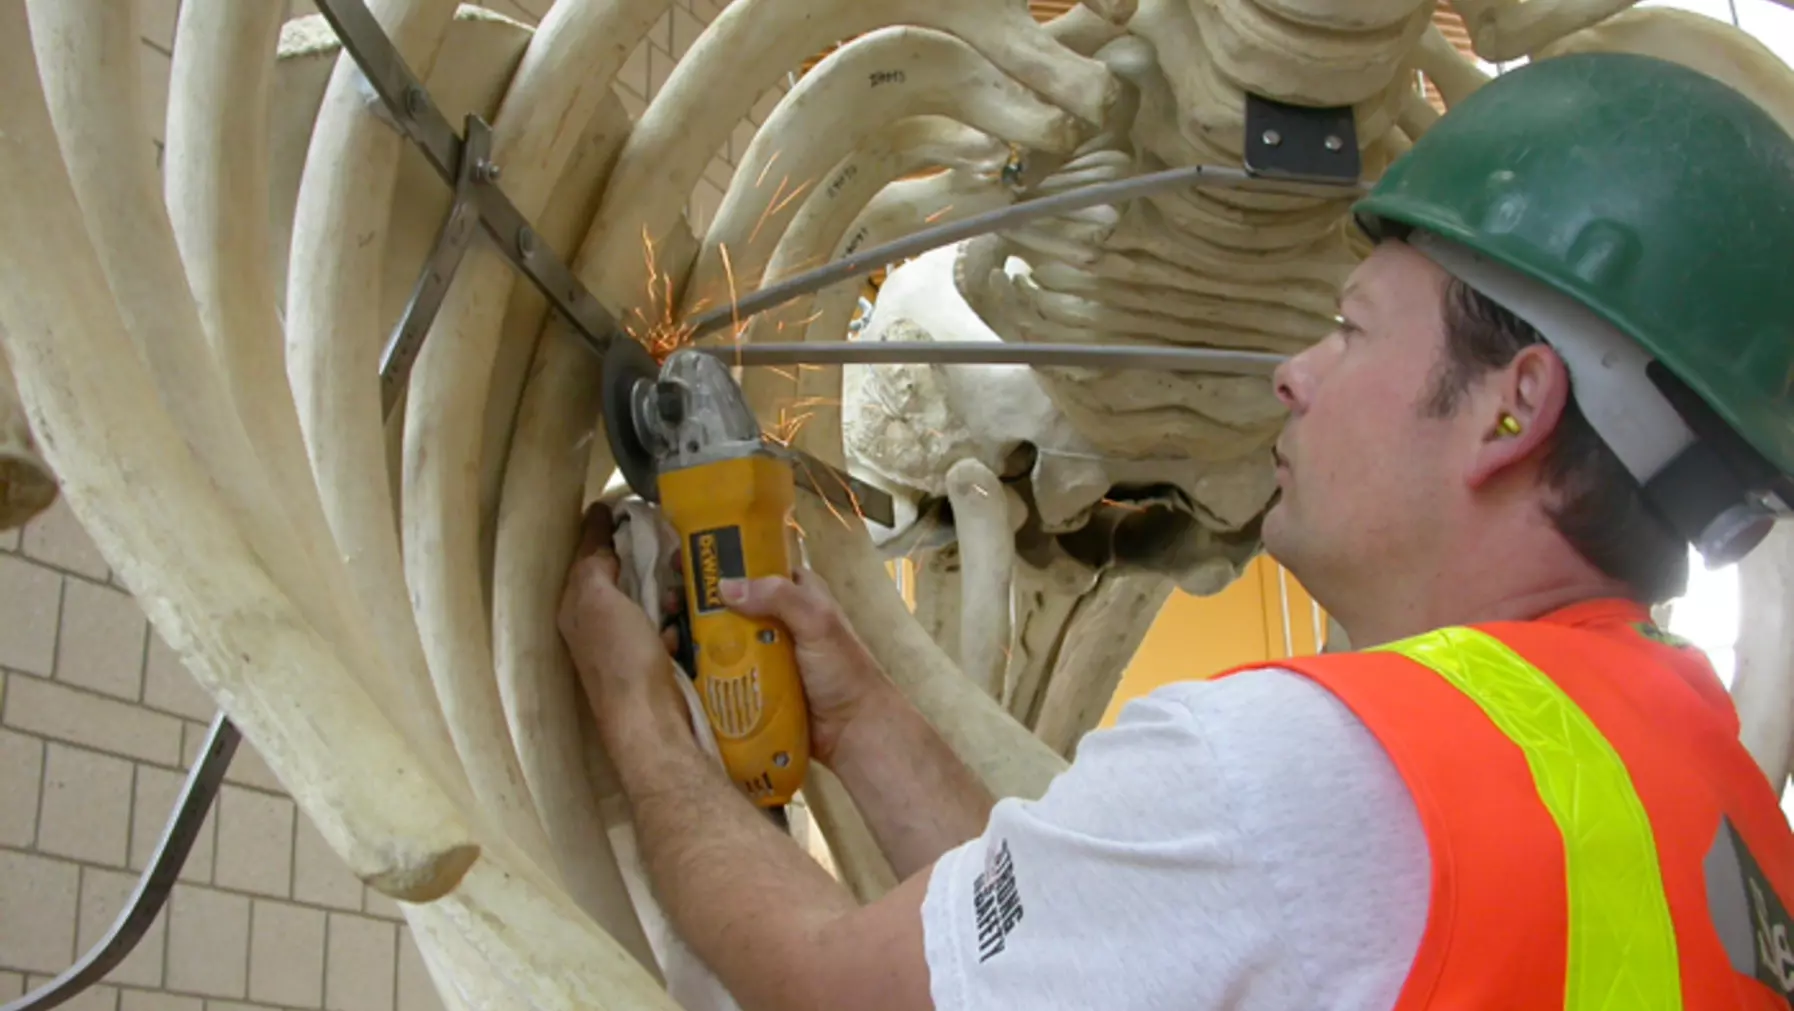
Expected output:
(683, 436)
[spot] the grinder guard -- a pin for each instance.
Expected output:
(629, 373)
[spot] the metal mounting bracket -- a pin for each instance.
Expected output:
(420, 121)
(1299, 142)
(452, 239)
(466, 164)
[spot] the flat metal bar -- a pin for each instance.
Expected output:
(457, 233)
(520, 244)
(404, 95)
(158, 879)
(846, 493)
(420, 121)
(866, 261)
(1086, 356)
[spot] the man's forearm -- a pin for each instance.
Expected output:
(747, 900)
(915, 794)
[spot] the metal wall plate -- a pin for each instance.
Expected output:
(1298, 142)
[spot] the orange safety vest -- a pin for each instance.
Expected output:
(1600, 839)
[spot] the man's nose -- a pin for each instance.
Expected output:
(1285, 381)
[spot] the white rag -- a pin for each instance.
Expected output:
(647, 546)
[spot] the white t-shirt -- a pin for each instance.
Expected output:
(1242, 844)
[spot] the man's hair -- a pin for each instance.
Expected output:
(1599, 507)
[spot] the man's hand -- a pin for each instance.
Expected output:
(841, 679)
(916, 796)
(779, 932)
(621, 657)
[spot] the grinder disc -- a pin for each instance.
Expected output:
(627, 363)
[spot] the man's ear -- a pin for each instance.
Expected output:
(1532, 390)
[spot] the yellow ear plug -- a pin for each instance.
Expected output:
(1510, 425)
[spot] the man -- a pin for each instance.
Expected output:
(1567, 360)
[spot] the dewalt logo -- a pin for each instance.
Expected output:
(710, 573)
(715, 556)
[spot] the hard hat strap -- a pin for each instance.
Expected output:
(1607, 368)
(1619, 388)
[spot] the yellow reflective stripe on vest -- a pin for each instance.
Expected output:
(1622, 942)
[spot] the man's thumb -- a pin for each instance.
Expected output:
(751, 597)
(772, 597)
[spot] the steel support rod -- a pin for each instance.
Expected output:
(145, 904)
(859, 264)
(418, 118)
(1076, 356)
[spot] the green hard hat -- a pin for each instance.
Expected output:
(1652, 194)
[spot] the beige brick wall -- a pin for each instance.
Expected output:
(99, 723)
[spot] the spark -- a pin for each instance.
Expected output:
(663, 334)
(648, 249)
(788, 376)
(1129, 506)
(980, 490)
(858, 510)
(793, 195)
(810, 472)
(937, 215)
(734, 306)
(788, 425)
(768, 209)
(826, 502)
(767, 168)
(807, 320)
(775, 204)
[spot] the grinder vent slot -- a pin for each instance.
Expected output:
(735, 704)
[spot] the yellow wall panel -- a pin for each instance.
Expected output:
(1264, 615)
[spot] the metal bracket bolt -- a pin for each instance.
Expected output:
(1301, 142)
(1333, 142)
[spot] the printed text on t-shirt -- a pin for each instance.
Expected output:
(996, 902)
